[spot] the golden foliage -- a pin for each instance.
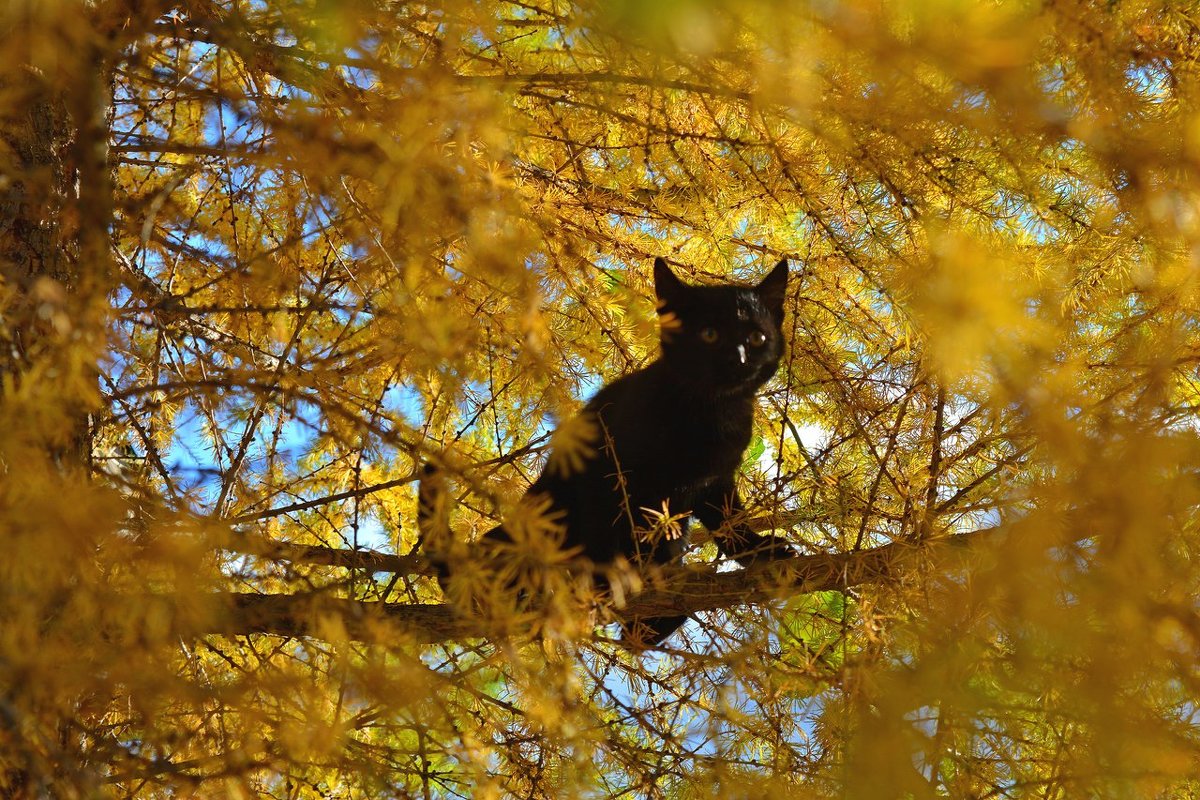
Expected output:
(260, 260)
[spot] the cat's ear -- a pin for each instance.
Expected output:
(667, 287)
(773, 288)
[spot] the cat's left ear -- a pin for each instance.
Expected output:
(667, 287)
(773, 288)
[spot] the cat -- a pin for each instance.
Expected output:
(663, 441)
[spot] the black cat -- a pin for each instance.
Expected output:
(666, 438)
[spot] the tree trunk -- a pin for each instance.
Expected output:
(54, 221)
(55, 210)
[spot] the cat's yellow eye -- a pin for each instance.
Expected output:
(709, 335)
(757, 339)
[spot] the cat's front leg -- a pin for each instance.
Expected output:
(720, 510)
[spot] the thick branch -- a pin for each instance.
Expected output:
(691, 590)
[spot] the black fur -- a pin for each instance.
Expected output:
(672, 433)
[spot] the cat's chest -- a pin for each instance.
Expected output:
(709, 440)
(666, 441)
(682, 450)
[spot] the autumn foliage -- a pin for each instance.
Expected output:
(262, 259)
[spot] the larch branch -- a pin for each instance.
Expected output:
(690, 590)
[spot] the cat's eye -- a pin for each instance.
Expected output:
(709, 335)
(757, 339)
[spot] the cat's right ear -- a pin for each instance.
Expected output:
(667, 287)
(773, 289)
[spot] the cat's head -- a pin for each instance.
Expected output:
(727, 337)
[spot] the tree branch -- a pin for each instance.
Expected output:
(691, 589)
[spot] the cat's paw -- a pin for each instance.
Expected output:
(765, 549)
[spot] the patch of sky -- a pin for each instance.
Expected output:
(1188, 711)
(742, 227)
(597, 159)
(147, 128)
(610, 265)
(224, 124)
(621, 222)
(345, 308)
(746, 265)
(760, 158)
(835, 224)
(556, 39)
(1052, 78)
(1077, 554)
(472, 410)
(1068, 145)
(453, 272)
(121, 296)
(244, 179)
(587, 387)
(1061, 99)
(1151, 81)
(651, 175)
(1014, 211)
(924, 719)
(1190, 323)
(1068, 188)
(657, 232)
(354, 251)
(985, 518)
(359, 76)
(297, 436)
(299, 432)
(480, 38)
(212, 248)
(879, 302)
(1033, 307)
(957, 409)
(184, 457)
(369, 532)
(1090, 330)
(323, 209)
(973, 99)
(812, 436)
(669, 172)
(291, 91)
(702, 732)
(118, 368)
(406, 402)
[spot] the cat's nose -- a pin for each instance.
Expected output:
(741, 348)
